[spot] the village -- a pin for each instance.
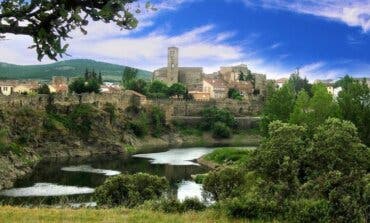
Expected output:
(202, 87)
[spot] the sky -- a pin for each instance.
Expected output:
(325, 39)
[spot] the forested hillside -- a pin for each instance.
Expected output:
(68, 68)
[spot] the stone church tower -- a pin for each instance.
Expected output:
(173, 65)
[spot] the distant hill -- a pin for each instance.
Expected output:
(68, 68)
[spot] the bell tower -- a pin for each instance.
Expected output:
(173, 65)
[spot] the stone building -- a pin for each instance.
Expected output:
(260, 84)
(59, 84)
(200, 96)
(216, 87)
(26, 87)
(280, 82)
(191, 77)
(7, 87)
(232, 74)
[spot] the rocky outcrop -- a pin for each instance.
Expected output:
(13, 166)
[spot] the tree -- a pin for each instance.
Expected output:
(301, 109)
(311, 112)
(77, 86)
(336, 164)
(80, 85)
(210, 116)
(336, 147)
(300, 84)
(129, 75)
(158, 89)
(50, 23)
(178, 90)
(279, 105)
(354, 104)
(100, 78)
(234, 94)
(43, 89)
(278, 159)
(224, 183)
(322, 106)
(157, 121)
(138, 85)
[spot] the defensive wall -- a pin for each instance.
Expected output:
(172, 107)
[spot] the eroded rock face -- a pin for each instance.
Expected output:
(13, 166)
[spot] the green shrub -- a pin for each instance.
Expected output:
(111, 110)
(157, 121)
(210, 116)
(224, 183)
(193, 204)
(3, 139)
(251, 207)
(139, 126)
(309, 210)
(221, 130)
(199, 178)
(226, 155)
(130, 190)
(81, 119)
(173, 205)
(15, 148)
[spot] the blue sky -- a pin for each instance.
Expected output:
(325, 39)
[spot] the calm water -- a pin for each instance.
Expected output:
(74, 180)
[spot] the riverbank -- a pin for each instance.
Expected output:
(52, 215)
(85, 130)
(14, 166)
(225, 156)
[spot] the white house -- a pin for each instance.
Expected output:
(7, 87)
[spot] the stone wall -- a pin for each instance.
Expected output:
(194, 108)
(172, 107)
(241, 122)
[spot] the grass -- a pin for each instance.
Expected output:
(10, 214)
(229, 155)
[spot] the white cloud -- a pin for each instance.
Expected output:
(197, 46)
(320, 70)
(354, 13)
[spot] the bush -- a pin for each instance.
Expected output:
(111, 110)
(43, 89)
(221, 130)
(224, 183)
(157, 121)
(130, 190)
(210, 116)
(226, 155)
(173, 205)
(309, 210)
(139, 126)
(80, 120)
(251, 207)
(199, 178)
(193, 204)
(81, 85)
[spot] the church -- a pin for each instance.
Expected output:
(191, 77)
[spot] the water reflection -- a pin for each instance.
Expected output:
(178, 157)
(89, 169)
(81, 175)
(46, 189)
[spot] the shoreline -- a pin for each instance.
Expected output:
(15, 167)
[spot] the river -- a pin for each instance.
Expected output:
(73, 181)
